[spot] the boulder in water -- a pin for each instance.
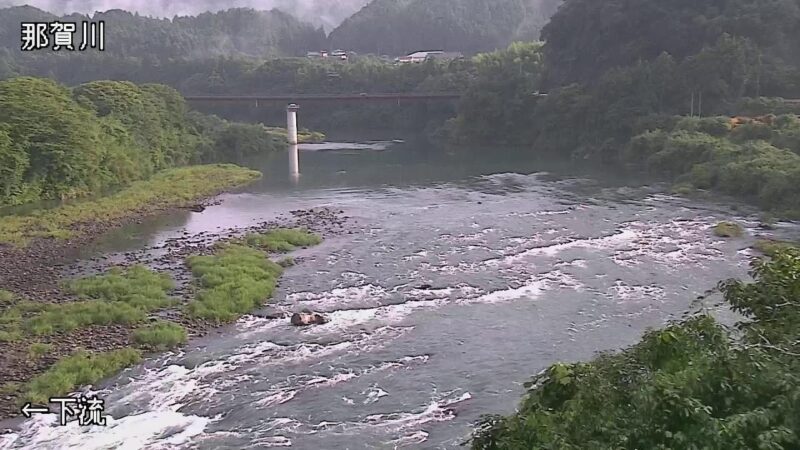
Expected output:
(305, 318)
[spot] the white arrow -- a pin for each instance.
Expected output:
(27, 410)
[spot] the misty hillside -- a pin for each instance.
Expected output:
(232, 32)
(325, 13)
(397, 27)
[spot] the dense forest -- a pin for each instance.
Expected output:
(393, 27)
(60, 143)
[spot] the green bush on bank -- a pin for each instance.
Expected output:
(81, 368)
(760, 162)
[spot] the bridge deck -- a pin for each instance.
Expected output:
(323, 97)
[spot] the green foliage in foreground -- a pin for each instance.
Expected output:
(161, 335)
(122, 296)
(282, 240)
(232, 282)
(79, 369)
(695, 384)
(169, 188)
(728, 230)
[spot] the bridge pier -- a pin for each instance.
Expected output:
(291, 123)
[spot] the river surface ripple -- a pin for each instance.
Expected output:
(459, 282)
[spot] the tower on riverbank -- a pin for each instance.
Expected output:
(291, 123)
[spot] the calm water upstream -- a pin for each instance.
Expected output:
(465, 275)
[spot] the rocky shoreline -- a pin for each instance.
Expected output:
(37, 272)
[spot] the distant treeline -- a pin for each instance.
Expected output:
(398, 27)
(60, 143)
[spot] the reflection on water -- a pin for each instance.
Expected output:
(294, 163)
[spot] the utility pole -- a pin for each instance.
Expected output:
(700, 106)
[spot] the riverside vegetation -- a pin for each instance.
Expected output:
(694, 384)
(235, 279)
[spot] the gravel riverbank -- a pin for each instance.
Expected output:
(38, 271)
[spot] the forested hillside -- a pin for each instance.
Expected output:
(398, 27)
(231, 32)
(587, 38)
(60, 143)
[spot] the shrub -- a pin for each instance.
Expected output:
(161, 335)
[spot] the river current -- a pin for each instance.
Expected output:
(465, 274)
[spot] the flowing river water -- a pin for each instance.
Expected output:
(464, 275)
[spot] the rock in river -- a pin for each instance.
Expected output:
(306, 317)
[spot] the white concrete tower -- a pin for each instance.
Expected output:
(291, 123)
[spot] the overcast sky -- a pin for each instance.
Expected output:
(319, 12)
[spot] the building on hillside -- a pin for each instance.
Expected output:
(422, 56)
(315, 55)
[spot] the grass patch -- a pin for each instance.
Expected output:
(232, 282)
(39, 349)
(771, 247)
(121, 296)
(6, 298)
(282, 239)
(169, 188)
(136, 286)
(161, 335)
(728, 230)
(78, 369)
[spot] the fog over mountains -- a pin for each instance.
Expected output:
(326, 13)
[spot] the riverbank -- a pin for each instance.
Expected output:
(172, 188)
(93, 327)
(57, 333)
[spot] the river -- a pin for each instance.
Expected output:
(466, 273)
